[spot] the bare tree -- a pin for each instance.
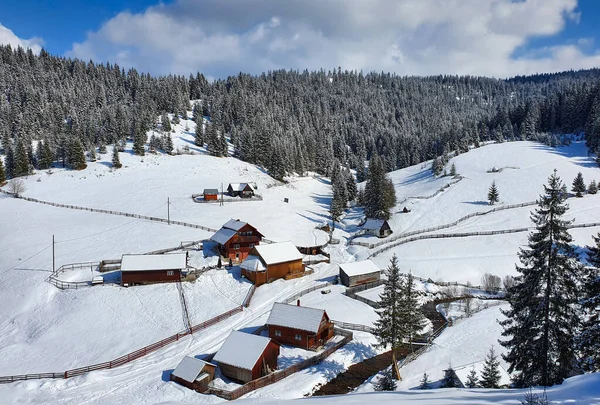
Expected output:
(491, 283)
(16, 187)
(508, 282)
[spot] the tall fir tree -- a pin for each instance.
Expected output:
(165, 124)
(2, 173)
(139, 140)
(579, 187)
(410, 313)
(490, 375)
(116, 162)
(350, 186)
(472, 380)
(199, 137)
(493, 195)
(380, 195)
(339, 200)
(450, 379)
(76, 155)
(543, 318)
(167, 143)
(588, 342)
(21, 160)
(9, 162)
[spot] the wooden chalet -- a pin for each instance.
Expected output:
(357, 273)
(245, 357)
(194, 374)
(271, 262)
(377, 227)
(307, 328)
(236, 239)
(148, 269)
(244, 190)
(210, 194)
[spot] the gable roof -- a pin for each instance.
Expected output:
(373, 224)
(234, 224)
(210, 191)
(242, 350)
(190, 368)
(153, 262)
(223, 235)
(296, 317)
(358, 268)
(240, 186)
(281, 252)
(253, 263)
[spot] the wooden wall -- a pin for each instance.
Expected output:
(309, 340)
(280, 270)
(149, 277)
(351, 281)
(269, 357)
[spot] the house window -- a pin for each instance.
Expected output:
(278, 333)
(236, 246)
(251, 245)
(298, 336)
(170, 273)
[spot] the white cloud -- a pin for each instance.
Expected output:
(413, 37)
(7, 37)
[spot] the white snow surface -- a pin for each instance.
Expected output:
(253, 263)
(296, 317)
(153, 262)
(359, 268)
(242, 349)
(274, 253)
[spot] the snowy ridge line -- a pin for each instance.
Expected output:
(468, 234)
(445, 226)
(125, 214)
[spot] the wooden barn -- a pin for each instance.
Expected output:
(194, 374)
(244, 190)
(245, 357)
(236, 239)
(307, 328)
(148, 269)
(377, 227)
(273, 261)
(357, 273)
(210, 194)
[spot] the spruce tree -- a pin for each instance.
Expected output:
(2, 173)
(472, 381)
(578, 185)
(493, 195)
(139, 140)
(175, 119)
(47, 156)
(386, 382)
(410, 314)
(453, 170)
(351, 186)
(167, 143)
(542, 320)
(165, 124)
(9, 161)
(380, 195)
(339, 200)
(116, 162)
(92, 154)
(450, 379)
(76, 155)
(199, 138)
(424, 383)
(588, 341)
(21, 160)
(490, 375)
(593, 187)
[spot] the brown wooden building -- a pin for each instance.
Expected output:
(273, 261)
(210, 194)
(194, 374)
(245, 357)
(357, 273)
(377, 227)
(244, 190)
(149, 269)
(236, 239)
(308, 328)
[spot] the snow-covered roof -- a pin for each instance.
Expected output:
(190, 368)
(296, 317)
(210, 191)
(253, 263)
(234, 224)
(153, 262)
(373, 224)
(359, 268)
(240, 186)
(242, 350)
(281, 252)
(223, 235)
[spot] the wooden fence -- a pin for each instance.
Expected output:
(353, 326)
(71, 285)
(306, 291)
(280, 375)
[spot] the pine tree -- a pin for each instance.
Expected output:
(339, 200)
(593, 187)
(490, 375)
(424, 383)
(410, 314)
(21, 160)
(361, 172)
(199, 138)
(450, 379)
(2, 173)
(76, 155)
(139, 140)
(386, 382)
(578, 185)
(167, 143)
(542, 320)
(165, 123)
(493, 196)
(453, 170)
(379, 191)
(9, 161)
(472, 381)
(588, 341)
(116, 162)
(175, 119)
(351, 186)
(92, 154)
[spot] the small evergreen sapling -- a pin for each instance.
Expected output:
(450, 379)
(578, 185)
(490, 375)
(453, 170)
(593, 187)
(493, 195)
(386, 382)
(425, 383)
(472, 381)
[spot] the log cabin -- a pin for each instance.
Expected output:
(193, 373)
(149, 269)
(236, 239)
(271, 262)
(210, 194)
(245, 357)
(357, 273)
(307, 328)
(244, 190)
(377, 227)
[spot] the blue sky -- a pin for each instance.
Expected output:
(220, 37)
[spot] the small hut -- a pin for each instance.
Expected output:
(357, 273)
(148, 269)
(377, 227)
(210, 194)
(193, 373)
(244, 190)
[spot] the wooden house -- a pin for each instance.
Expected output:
(273, 261)
(244, 190)
(307, 328)
(210, 194)
(194, 374)
(236, 239)
(377, 227)
(148, 269)
(245, 357)
(356, 273)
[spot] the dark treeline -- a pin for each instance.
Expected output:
(286, 121)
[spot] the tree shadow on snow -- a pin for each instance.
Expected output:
(417, 177)
(476, 202)
(577, 154)
(322, 199)
(360, 350)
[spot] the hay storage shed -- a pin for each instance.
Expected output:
(307, 328)
(273, 261)
(148, 269)
(194, 373)
(210, 194)
(357, 273)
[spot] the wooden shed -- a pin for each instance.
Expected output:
(194, 374)
(377, 227)
(308, 328)
(235, 239)
(356, 273)
(148, 269)
(245, 357)
(210, 194)
(273, 261)
(244, 190)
